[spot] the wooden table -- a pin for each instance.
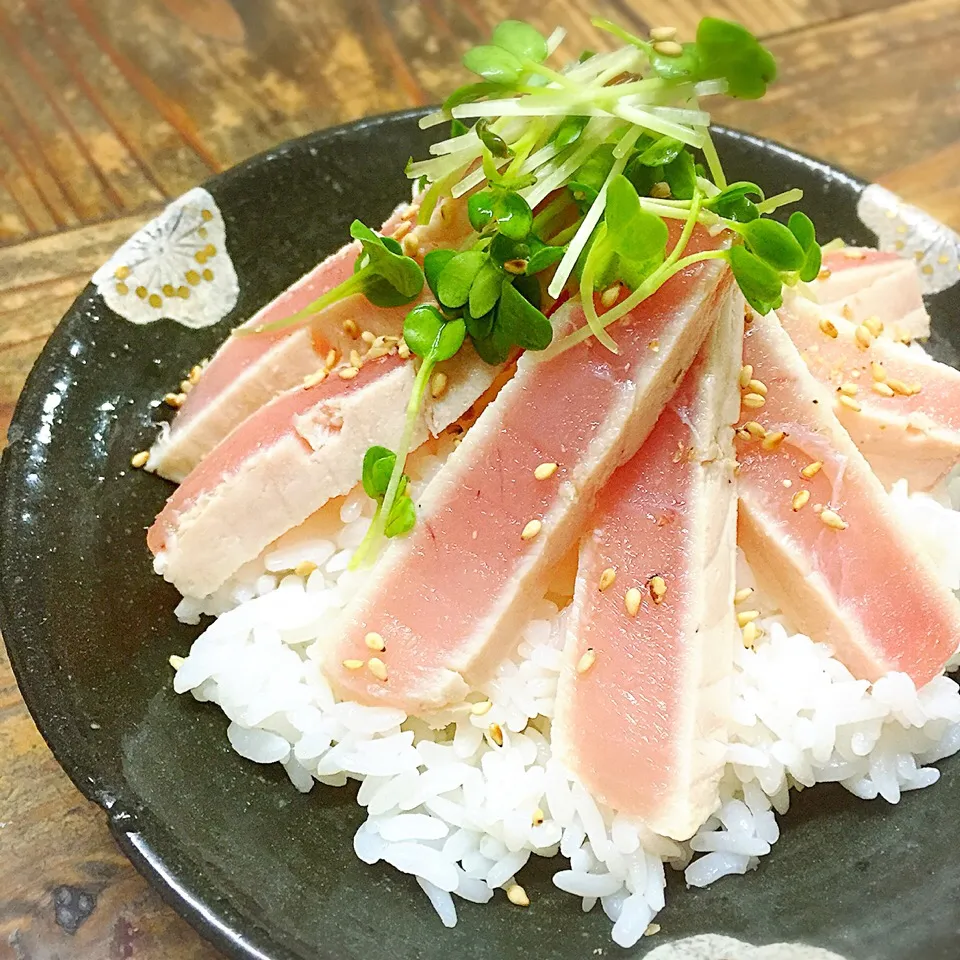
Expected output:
(109, 108)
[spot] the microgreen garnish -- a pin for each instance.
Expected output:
(433, 338)
(382, 273)
(570, 179)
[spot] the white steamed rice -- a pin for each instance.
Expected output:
(464, 815)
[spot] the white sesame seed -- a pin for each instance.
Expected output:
(374, 641)
(850, 403)
(756, 430)
(176, 662)
(140, 459)
(531, 530)
(545, 471)
(833, 519)
(753, 400)
(479, 709)
(757, 386)
(884, 389)
(850, 389)
(747, 616)
(517, 895)
(800, 499)
(304, 568)
(377, 667)
(863, 336)
(746, 375)
(347, 373)
(668, 48)
(438, 385)
(743, 594)
(658, 589)
(496, 734)
(352, 664)
(750, 634)
(588, 659)
(811, 469)
(607, 578)
(829, 328)
(773, 440)
(632, 601)
(659, 34)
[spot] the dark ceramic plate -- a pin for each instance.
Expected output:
(258, 868)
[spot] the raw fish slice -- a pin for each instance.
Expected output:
(861, 283)
(828, 547)
(249, 370)
(289, 458)
(670, 512)
(902, 433)
(448, 599)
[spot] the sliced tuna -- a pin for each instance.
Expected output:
(664, 530)
(250, 369)
(289, 458)
(861, 284)
(900, 406)
(447, 599)
(817, 527)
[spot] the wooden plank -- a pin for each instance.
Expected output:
(871, 93)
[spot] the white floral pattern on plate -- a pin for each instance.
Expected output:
(177, 266)
(713, 947)
(910, 232)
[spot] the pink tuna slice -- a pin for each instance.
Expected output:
(643, 702)
(448, 599)
(249, 370)
(289, 458)
(865, 588)
(861, 283)
(910, 435)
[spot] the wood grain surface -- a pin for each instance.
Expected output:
(109, 108)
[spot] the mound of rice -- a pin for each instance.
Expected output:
(463, 814)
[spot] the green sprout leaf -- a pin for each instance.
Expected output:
(633, 233)
(449, 340)
(479, 328)
(681, 175)
(494, 64)
(521, 321)
(760, 283)
(470, 93)
(377, 466)
(728, 50)
(642, 177)
(520, 39)
(801, 226)
(421, 328)
(391, 278)
(485, 291)
(811, 264)
(663, 151)
(454, 282)
(544, 257)
(685, 67)
(496, 346)
(402, 519)
(734, 202)
(504, 209)
(568, 131)
(773, 243)
(433, 264)
(492, 141)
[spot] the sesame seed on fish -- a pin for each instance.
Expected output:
(632, 600)
(352, 664)
(350, 328)
(811, 469)
(746, 375)
(850, 389)
(850, 403)
(773, 440)
(374, 641)
(747, 616)
(588, 659)
(743, 594)
(531, 530)
(658, 589)
(545, 471)
(829, 328)
(884, 389)
(496, 734)
(607, 578)
(438, 385)
(481, 708)
(377, 667)
(757, 386)
(753, 400)
(833, 520)
(800, 499)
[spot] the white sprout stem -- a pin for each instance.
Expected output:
(587, 281)
(780, 200)
(453, 144)
(707, 187)
(710, 88)
(713, 160)
(569, 261)
(644, 118)
(695, 118)
(433, 119)
(591, 137)
(438, 167)
(555, 39)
